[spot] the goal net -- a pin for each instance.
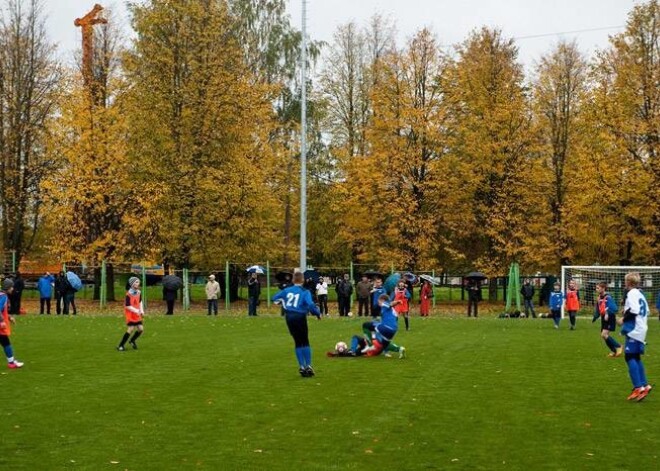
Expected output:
(587, 277)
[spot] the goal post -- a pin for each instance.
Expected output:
(588, 276)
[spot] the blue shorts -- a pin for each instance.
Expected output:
(634, 347)
(385, 332)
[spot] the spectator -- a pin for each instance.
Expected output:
(322, 294)
(527, 292)
(363, 294)
(474, 296)
(60, 290)
(254, 290)
(212, 291)
(45, 287)
(310, 285)
(425, 296)
(15, 297)
(69, 298)
(169, 295)
(344, 290)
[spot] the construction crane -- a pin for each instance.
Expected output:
(87, 23)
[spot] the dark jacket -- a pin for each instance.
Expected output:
(527, 291)
(344, 288)
(474, 292)
(254, 288)
(60, 285)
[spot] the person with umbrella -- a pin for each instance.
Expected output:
(296, 302)
(73, 284)
(425, 296)
(474, 280)
(171, 284)
(254, 290)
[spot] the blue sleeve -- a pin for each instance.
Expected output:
(657, 301)
(277, 296)
(611, 305)
(3, 301)
(313, 308)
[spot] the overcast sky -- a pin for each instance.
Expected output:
(451, 20)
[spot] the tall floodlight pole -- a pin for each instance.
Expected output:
(303, 143)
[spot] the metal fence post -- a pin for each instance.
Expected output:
(267, 283)
(144, 286)
(433, 287)
(227, 285)
(186, 292)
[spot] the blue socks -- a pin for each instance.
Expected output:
(9, 352)
(637, 373)
(300, 357)
(304, 356)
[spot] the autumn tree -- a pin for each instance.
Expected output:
(560, 92)
(490, 129)
(29, 76)
(200, 126)
(626, 120)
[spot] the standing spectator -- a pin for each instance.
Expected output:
(169, 295)
(376, 292)
(425, 296)
(45, 287)
(572, 302)
(297, 302)
(15, 297)
(322, 294)
(474, 296)
(60, 290)
(254, 290)
(5, 321)
(69, 298)
(212, 291)
(527, 292)
(363, 295)
(310, 285)
(344, 290)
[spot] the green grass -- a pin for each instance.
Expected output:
(224, 394)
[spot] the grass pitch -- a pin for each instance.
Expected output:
(224, 394)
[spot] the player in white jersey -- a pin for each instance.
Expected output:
(634, 327)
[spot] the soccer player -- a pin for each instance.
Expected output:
(657, 303)
(402, 295)
(296, 303)
(555, 302)
(606, 310)
(634, 327)
(386, 329)
(5, 321)
(572, 302)
(133, 311)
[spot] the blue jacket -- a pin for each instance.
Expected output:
(297, 300)
(376, 294)
(657, 301)
(556, 300)
(45, 286)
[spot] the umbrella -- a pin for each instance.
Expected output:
(391, 282)
(411, 278)
(372, 274)
(476, 276)
(74, 280)
(258, 269)
(313, 274)
(172, 282)
(430, 279)
(284, 276)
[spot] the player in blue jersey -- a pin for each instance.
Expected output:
(376, 292)
(369, 330)
(606, 311)
(296, 302)
(556, 301)
(386, 329)
(634, 327)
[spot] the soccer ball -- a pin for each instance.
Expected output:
(350, 314)
(341, 347)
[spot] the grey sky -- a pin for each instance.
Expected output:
(451, 20)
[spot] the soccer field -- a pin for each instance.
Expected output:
(224, 394)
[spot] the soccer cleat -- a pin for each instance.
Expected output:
(617, 353)
(120, 348)
(14, 364)
(387, 355)
(134, 345)
(635, 393)
(402, 352)
(303, 372)
(644, 392)
(309, 371)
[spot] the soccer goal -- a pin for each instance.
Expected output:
(587, 277)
